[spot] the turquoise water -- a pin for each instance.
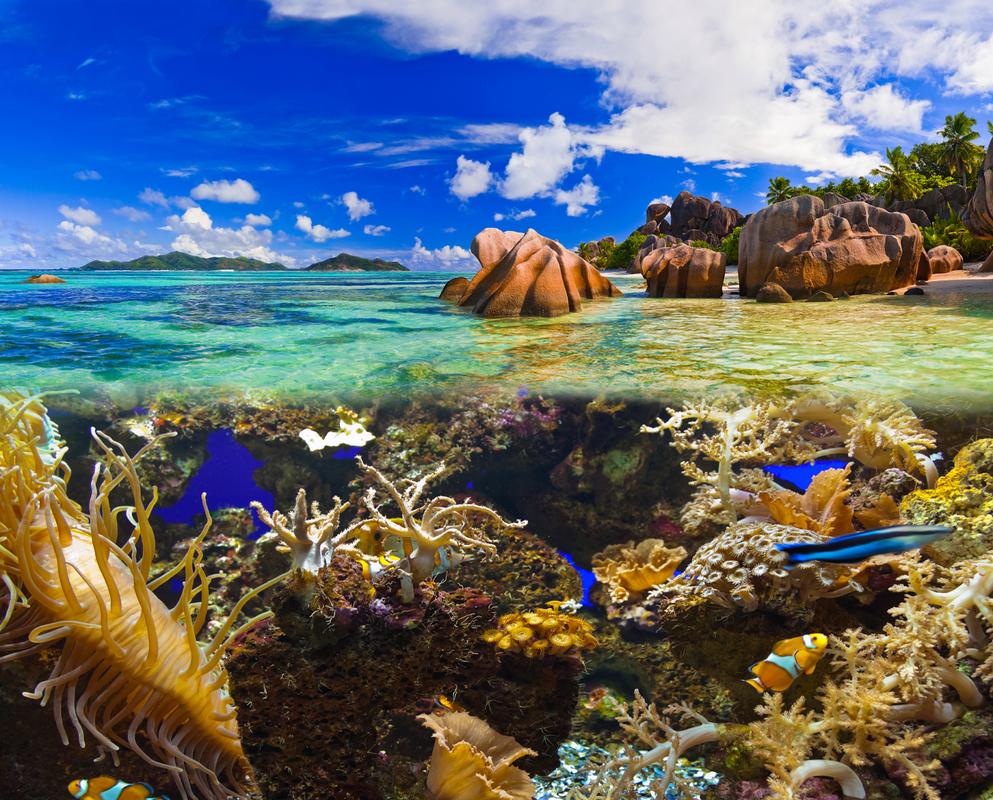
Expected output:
(291, 335)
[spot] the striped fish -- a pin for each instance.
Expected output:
(107, 788)
(856, 547)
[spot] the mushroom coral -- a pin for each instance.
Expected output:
(129, 665)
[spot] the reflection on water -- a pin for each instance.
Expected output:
(317, 333)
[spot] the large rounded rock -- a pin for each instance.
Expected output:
(43, 278)
(978, 215)
(684, 271)
(806, 248)
(689, 212)
(656, 211)
(924, 268)
(944, 259)
(453, 290)
(987, 264)
(529, 275)
(832, 199)
(722, 220)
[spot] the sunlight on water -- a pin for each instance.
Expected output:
(297, 334)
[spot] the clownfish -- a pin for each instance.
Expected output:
(855, 547)
(107, 788)
(788, 659)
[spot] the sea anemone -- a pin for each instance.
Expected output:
(471, 760)
(130, 666)
(543, 632)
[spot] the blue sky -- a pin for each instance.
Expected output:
(293, 129)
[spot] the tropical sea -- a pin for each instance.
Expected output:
(294, 335)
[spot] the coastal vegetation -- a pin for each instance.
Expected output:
(184, 262)
(346, 262)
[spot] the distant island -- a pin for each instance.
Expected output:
(346, 262)
(343, 262)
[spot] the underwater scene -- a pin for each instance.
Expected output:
(373, 426)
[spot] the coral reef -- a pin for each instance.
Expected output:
(550, 631)
(629, 570)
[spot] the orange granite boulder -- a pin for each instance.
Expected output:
(453, 290)
(530, 275)
(43, 278)
(684, 271)
(944, 259)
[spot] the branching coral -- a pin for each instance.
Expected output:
(310, 540)
(549, 631)
(629, 570)
(129, 666)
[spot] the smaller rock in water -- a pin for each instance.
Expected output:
(44, 278)
(772, 293)
(844, 296)
(914, 290)
(454, 289)
(821, 297)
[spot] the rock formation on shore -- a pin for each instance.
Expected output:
(692, 218)
(684, 271)
(944, 259)
(805, 248)
(978, 215)
(530, 275)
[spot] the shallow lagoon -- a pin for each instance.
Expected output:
(296, 334)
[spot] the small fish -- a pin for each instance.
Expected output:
(107, 788)
(856, 547)
(788, 659)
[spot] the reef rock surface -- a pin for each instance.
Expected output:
(530, 275)
(806, 248)
(684, 271)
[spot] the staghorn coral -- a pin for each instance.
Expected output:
(742, 569)
(630, 570)
(128, 664)
(310, 540)
(549, 631)
(470, 759)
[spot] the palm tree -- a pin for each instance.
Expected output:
(901, 181)
(990, 126)
(960, 154)
(779, 189)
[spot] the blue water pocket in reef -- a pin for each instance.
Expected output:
(584, 575)
(228, 478)
(800, 475)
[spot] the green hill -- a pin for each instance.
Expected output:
(184, 261)
(346, 262)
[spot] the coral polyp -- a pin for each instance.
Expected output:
(549, 631)
(131, 672)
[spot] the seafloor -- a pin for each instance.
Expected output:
(660, 543)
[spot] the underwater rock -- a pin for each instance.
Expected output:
(530, 275)
(772, 293)
(944, 259)
(684, 271)
(821, 297)
(978, 215)
(454, 289)
(962, 499)
(853, 247)
(43, 278)
(328, 697)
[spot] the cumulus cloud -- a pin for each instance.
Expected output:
(80, 214)
(132, 214)
(666, 198)
(446, 257)
(579, 198)
(319, 233)
(196, 235)
(224, 191)
(802, 99)
(515, 215)
(471, 178)
(357, 207)
(258, 220)
(549, 153)
(87, 175)
(153, 197)
(376, 230)
(72, 235)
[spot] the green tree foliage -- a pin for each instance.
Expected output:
(780, 189)
(952, 232)
(900, 180)
(622, 256)
(961, 156)
(729, 245)
(597, 253)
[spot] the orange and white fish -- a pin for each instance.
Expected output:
(107, 788)
(788, 660)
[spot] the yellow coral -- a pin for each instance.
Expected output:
(471, 760)
(821, 508)
(633, 568)
(543, 632)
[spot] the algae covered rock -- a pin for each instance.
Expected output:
(963, 499)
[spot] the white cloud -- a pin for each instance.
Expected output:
(180, 201)
(361, 147)
(72, 235)
(180, 172)
(819, 178)
(549, 154)
(319, 233)
(376, 230)
(445, 257)
(515, 215)
(799, 100)
(491, 133)
(579, 198)
(471, 178)
(132, 214)
(689, 185)
(196, 235)
(733, 173)
(153, 197)
(883, 108)
(84, 216)
(87, 175)
(357, 207)
(27, 249)
(298, 204)
(666, 198)
(258, 220)
(224, 191)
(415, 189)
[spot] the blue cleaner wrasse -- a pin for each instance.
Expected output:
(855, 547)
(788, 660)
(107, 788)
